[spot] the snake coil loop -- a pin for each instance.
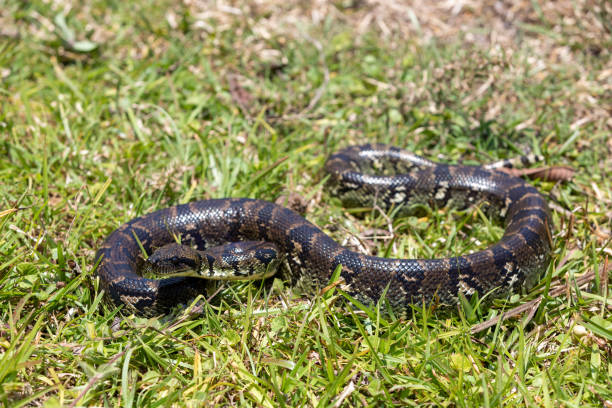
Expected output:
(362, 175)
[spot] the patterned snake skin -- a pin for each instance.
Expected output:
(362, 175)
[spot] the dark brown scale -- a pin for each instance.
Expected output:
(515, 262)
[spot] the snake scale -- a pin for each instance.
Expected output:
(366, 175)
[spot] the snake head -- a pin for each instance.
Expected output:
(173, 259)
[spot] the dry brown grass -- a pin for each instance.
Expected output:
(555, 38)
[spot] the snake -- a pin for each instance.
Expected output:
(395, 180)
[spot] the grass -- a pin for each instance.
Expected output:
(109, 110)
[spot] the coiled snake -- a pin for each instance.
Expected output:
(363, 175)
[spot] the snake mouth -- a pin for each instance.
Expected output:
(161, 271)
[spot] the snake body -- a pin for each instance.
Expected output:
(365, 175)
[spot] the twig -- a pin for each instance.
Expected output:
(533, 304)
(559, 209)
(348, 390)
(551, 173)
(389, 223)
(96, 378)
(510, 313)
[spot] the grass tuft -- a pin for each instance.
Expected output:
(109, 110)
